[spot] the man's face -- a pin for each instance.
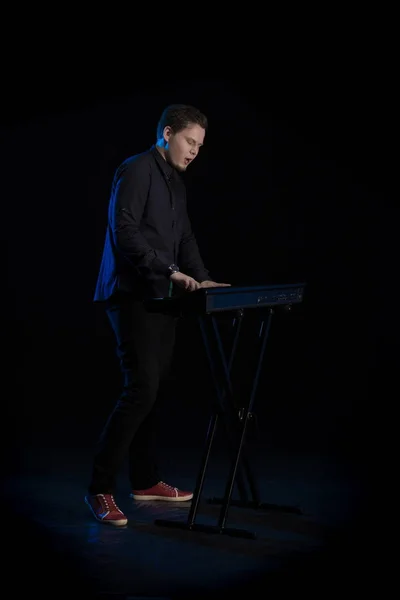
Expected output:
(183, 147)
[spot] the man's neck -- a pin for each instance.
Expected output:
(161, 150)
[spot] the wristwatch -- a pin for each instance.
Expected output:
(173, 269)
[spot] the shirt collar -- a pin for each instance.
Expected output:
(166, 168)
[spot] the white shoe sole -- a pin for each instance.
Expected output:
(163, 498)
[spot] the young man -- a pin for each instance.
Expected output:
(150, 251)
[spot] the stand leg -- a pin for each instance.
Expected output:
(245, 418)
(211, 429)
(200, 479)
(235, 418)
(214, 419)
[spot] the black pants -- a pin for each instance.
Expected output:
(145, 344)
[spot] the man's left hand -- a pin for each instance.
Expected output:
(213, 284)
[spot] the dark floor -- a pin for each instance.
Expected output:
(56, 549)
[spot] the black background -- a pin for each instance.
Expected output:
(294, 184)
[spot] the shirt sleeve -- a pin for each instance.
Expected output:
(130, 191)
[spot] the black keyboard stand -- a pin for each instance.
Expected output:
(235, 421)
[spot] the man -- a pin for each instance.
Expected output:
(150, 251)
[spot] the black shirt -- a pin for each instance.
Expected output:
(148, 229)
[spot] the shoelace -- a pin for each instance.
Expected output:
(112, 503)
(169, 487)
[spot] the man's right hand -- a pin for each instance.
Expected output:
(185, 282)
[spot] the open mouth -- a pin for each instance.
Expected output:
(187, 161)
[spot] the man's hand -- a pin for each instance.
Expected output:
(213, 284)
(185, 282)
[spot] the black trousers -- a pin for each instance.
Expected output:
(145, 343)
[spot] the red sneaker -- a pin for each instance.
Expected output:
(105, 510)
(162, 491)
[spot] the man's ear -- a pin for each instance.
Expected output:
(167, 133)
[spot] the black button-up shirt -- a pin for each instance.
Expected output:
(148, 229)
